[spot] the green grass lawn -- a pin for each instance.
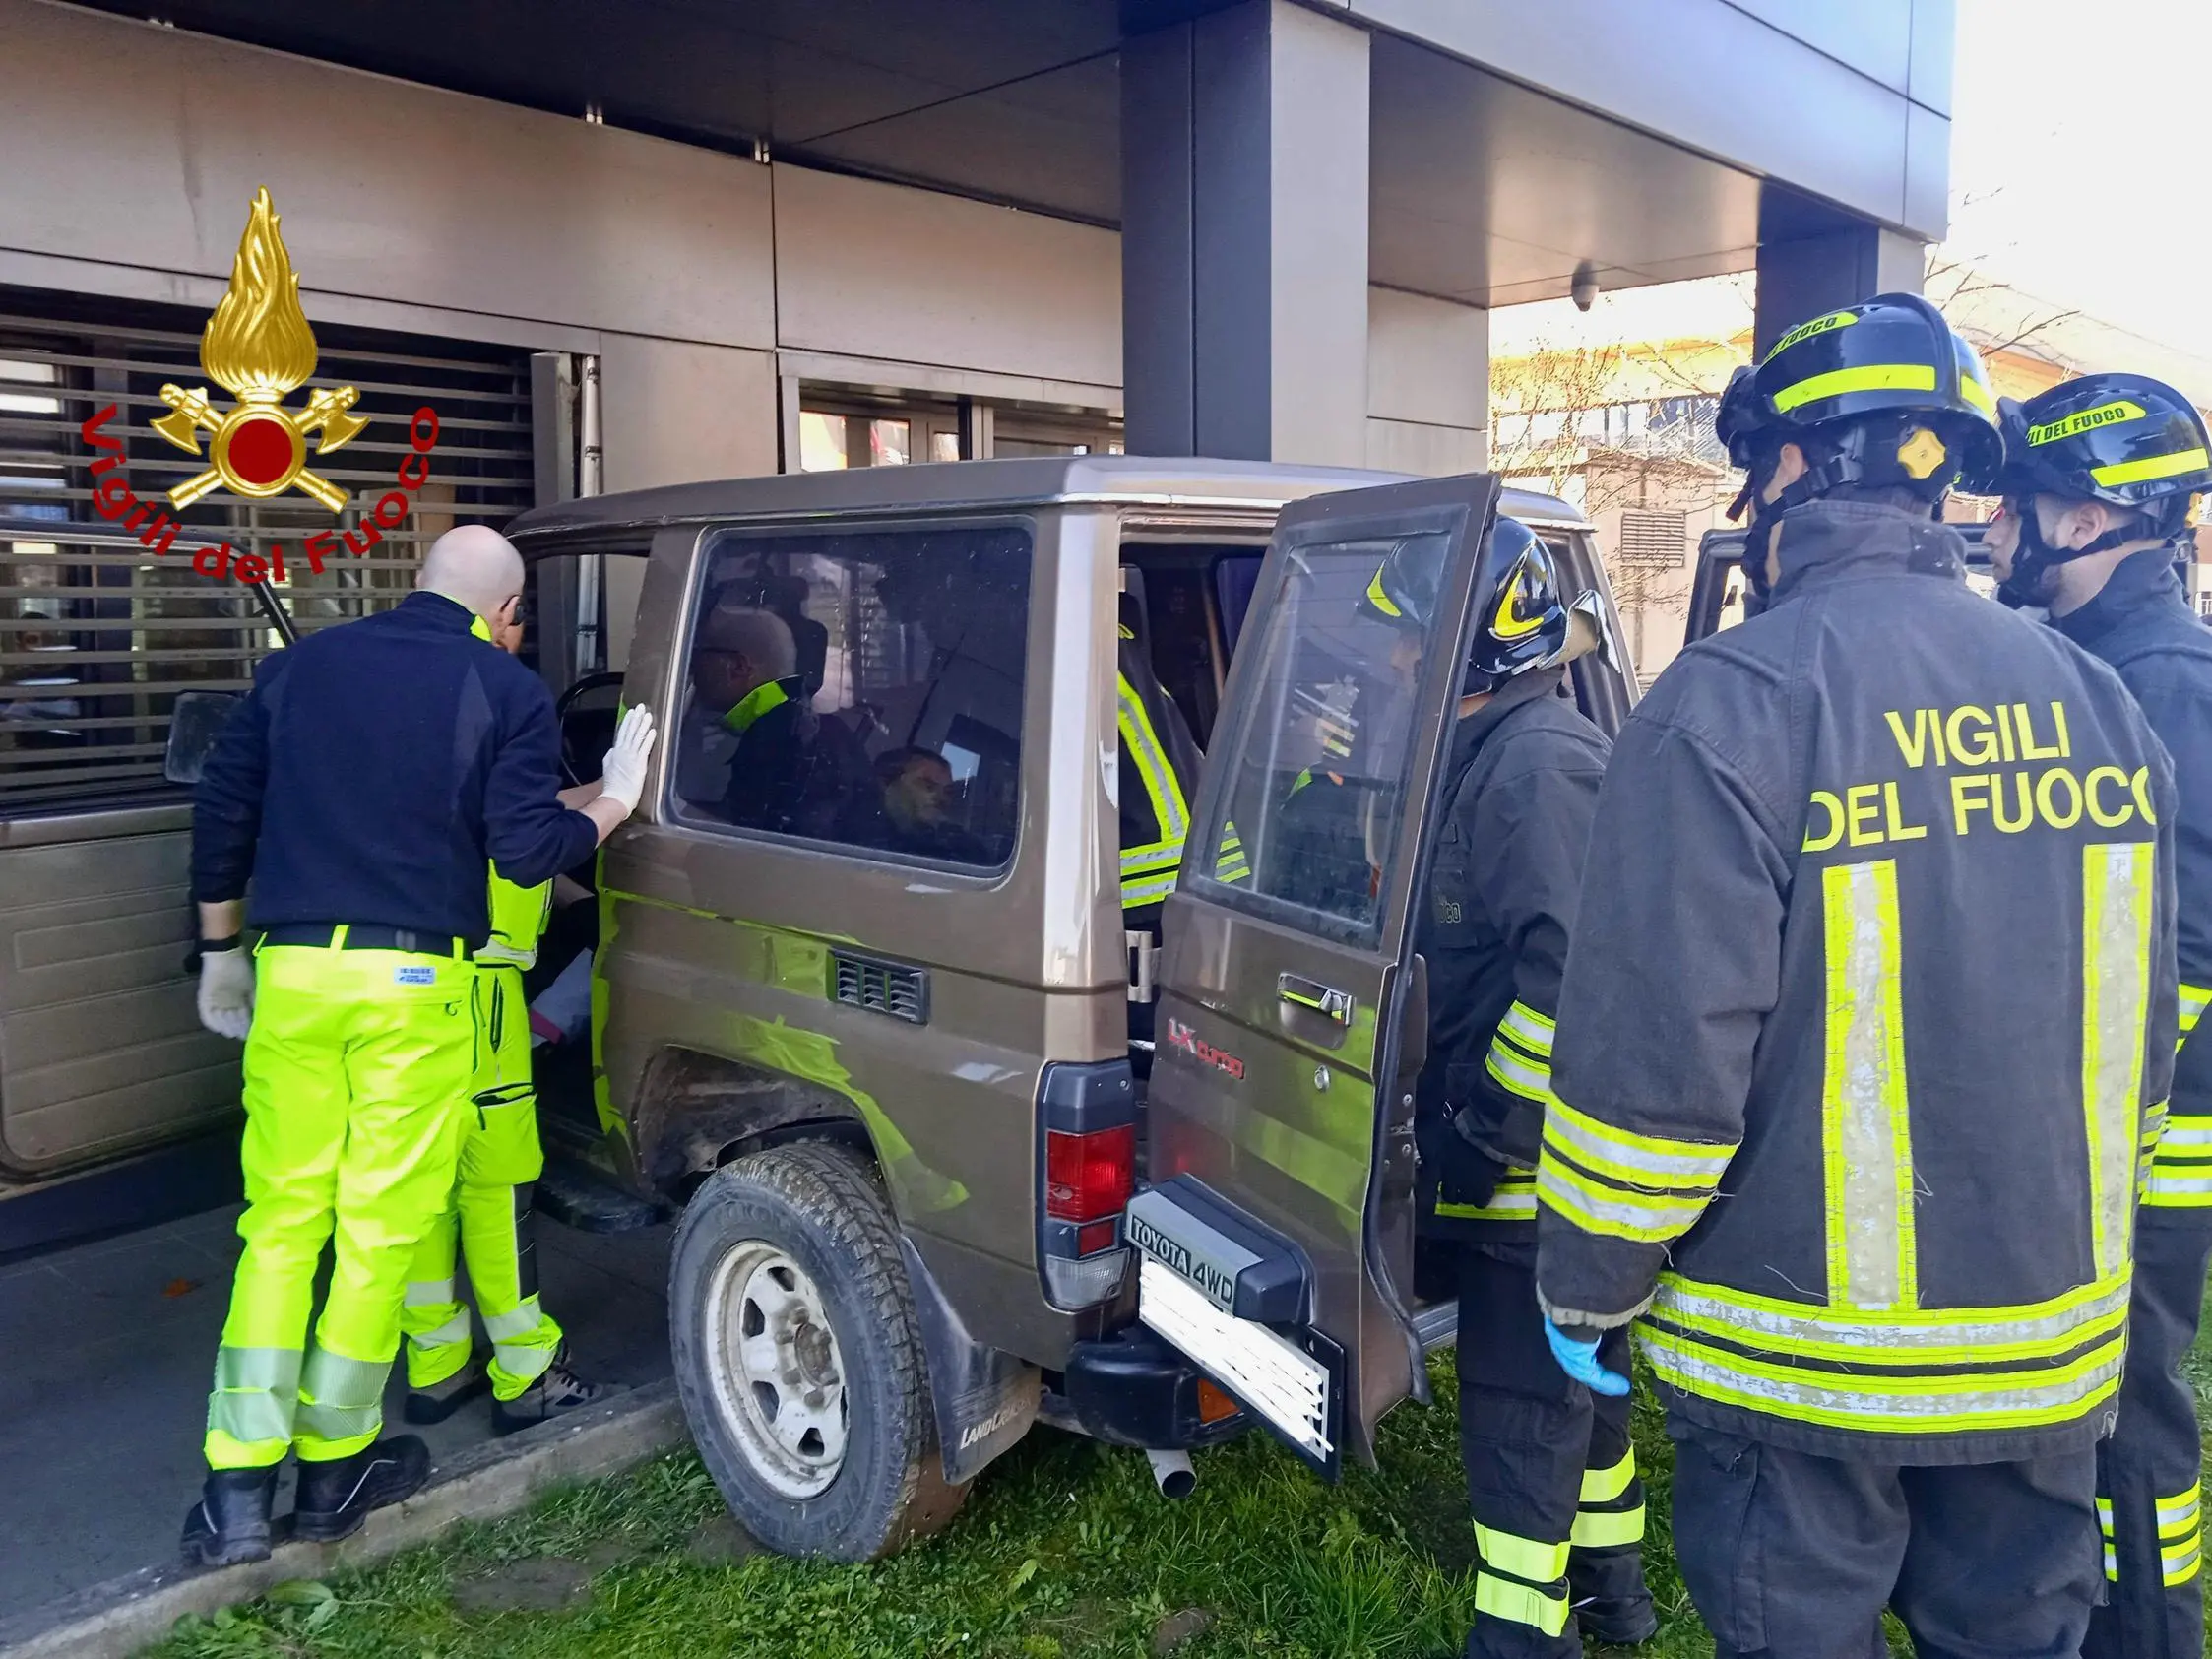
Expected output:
(1064, 1552)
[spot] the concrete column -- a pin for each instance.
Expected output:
(1244, 236)
(1804, 277)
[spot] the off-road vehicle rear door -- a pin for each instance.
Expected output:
(1276, 1240)
(1717, 589)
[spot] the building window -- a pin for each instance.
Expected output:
(841, 427)
(829, 441)
(860, 688)
(1652, 538)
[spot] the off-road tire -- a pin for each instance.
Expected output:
(822, 1207)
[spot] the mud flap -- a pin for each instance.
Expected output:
(985, 1398)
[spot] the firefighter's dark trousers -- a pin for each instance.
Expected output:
(1551, 1479)
(1794, 1557)
(2147, 1499)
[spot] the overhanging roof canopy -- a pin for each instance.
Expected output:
(1482, 190)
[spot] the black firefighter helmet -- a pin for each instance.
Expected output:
(1529, 617)
(1882, 394)
(2124, 439)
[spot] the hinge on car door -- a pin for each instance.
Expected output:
(1144, 959)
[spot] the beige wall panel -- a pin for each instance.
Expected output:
(1428, 360)
(1407, 446)
(677, 414)
(881, 271)
(141, 146)
(674, 412)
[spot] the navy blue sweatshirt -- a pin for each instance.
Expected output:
(372, 771)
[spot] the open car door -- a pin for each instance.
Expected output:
(1717, 589)
(1277, 1241)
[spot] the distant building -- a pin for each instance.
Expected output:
(1614, 409)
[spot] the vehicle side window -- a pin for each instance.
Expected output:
(1318, 769)
(862, 688)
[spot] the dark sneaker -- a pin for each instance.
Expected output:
(1623, 1622)
(555, 1393)
(336, 1497)
(441, 1401)
(230, 1522)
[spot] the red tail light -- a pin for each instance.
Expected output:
(1088, 1177)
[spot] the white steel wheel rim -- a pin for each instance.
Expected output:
(778, 1374)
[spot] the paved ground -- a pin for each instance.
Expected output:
(104, 1385)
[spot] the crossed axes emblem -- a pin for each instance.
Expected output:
(326, 413)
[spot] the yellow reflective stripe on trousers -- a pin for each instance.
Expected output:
(1944, 1336)
(1866, 1127)
(1912, 1405)
(1501, 1598)
(1624, 1154)
(2180, 1167)
(2181, 1539)
(1603, 1485)
(2116, 976)
(1524, 1558)
(256, 1390)
(1608, 1529)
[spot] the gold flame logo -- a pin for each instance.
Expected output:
(259, 348)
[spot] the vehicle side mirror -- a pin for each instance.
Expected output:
(194, 725)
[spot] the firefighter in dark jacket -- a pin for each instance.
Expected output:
(2098, 479)
(1559, 1511)
(1869, 1016)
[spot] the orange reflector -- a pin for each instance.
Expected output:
(1213, 1404)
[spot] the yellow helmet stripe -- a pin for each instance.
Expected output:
(1509, 621)
(1868, 377)
(2151, 467)
(1977, 394)
(1377, 598)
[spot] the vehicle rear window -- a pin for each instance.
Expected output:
(860, 688)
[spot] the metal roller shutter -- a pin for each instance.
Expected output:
(97, 633)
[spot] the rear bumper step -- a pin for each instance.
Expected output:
(1134, 1389)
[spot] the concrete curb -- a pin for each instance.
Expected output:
(498, 1478)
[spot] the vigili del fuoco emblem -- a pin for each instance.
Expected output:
(258, 348)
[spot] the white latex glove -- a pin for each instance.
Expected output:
(622, 773)
(226, 992)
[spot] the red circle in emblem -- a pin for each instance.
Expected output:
(260, 450)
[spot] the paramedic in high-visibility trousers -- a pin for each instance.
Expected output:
(1864, 1036)
(2099, 474)
(365, 784)
(488, 1222)
(1551, 1477)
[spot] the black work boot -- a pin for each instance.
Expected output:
(1618, 1622)
(230, 1522)
(336, 1497)
(556, 1391)
(441, 1401)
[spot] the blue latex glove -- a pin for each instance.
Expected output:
(1579, 1360)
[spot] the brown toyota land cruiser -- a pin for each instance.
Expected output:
(866, 1009)
(863, 995)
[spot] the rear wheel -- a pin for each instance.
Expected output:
(798, 1358)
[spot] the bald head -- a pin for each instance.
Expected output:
(475, 566)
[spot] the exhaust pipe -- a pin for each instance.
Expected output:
(1172, 1472)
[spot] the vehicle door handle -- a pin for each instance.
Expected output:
(1311, 993)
